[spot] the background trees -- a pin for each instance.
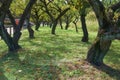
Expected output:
(81, 7)
(53, 11)
(83, 12)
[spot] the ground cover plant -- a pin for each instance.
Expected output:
(57, 57)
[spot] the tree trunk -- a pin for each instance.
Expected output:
(12, 19)
(27, 10)
(55, 21)
(75, 23)
(30, 30)
(51, 24)
(37, 26)
(54, 27)
(3, 32)
(76, 28)
(84, 28)
(16, 45)
(67, 25)
(43, 23)
(98, 51)
(8, 39)
(61, 24)
(100, 47)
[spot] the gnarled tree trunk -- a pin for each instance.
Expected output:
(12, 42)
(27, 10)
(98, 51)
(3, 32)
(100, 47)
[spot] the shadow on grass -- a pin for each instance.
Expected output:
(44, 71)
(3, 58)
(2, 76)
(114, 73)
(49, 72)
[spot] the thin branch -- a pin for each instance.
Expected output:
(115, 6)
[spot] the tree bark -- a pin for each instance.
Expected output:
(27, 10)
(61, 23)
(67, 22)
(55, 21)
(84, 28)
(54, 27)
(12, 43)
(3, 32)
(8, 39)
(37, 21)
(30, 30)
(98, 51)
(100, 47)
(67, 25)
(37, 25)
(12, 19)
(75, 23)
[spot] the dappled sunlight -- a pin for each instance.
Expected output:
(59, 40)
(114, 73)
(57, 57)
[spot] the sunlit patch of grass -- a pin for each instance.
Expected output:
(3, 47)
(113, 56)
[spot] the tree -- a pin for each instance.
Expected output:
(109, 2)
(37, 14)
(51, 8)
(12, 42)
(4, 7)
(108, 31)
(83, 12)
(17, 8)
(76, 19)
(30, 30)
(81, 6)
(68, 18)
(17, 33)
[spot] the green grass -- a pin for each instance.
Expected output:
(55, 57)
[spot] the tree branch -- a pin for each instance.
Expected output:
(115, 6)
(62, 13)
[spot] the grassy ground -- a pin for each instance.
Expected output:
(57, 57)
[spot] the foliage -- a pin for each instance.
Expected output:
(18, 6)
(107, 3)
